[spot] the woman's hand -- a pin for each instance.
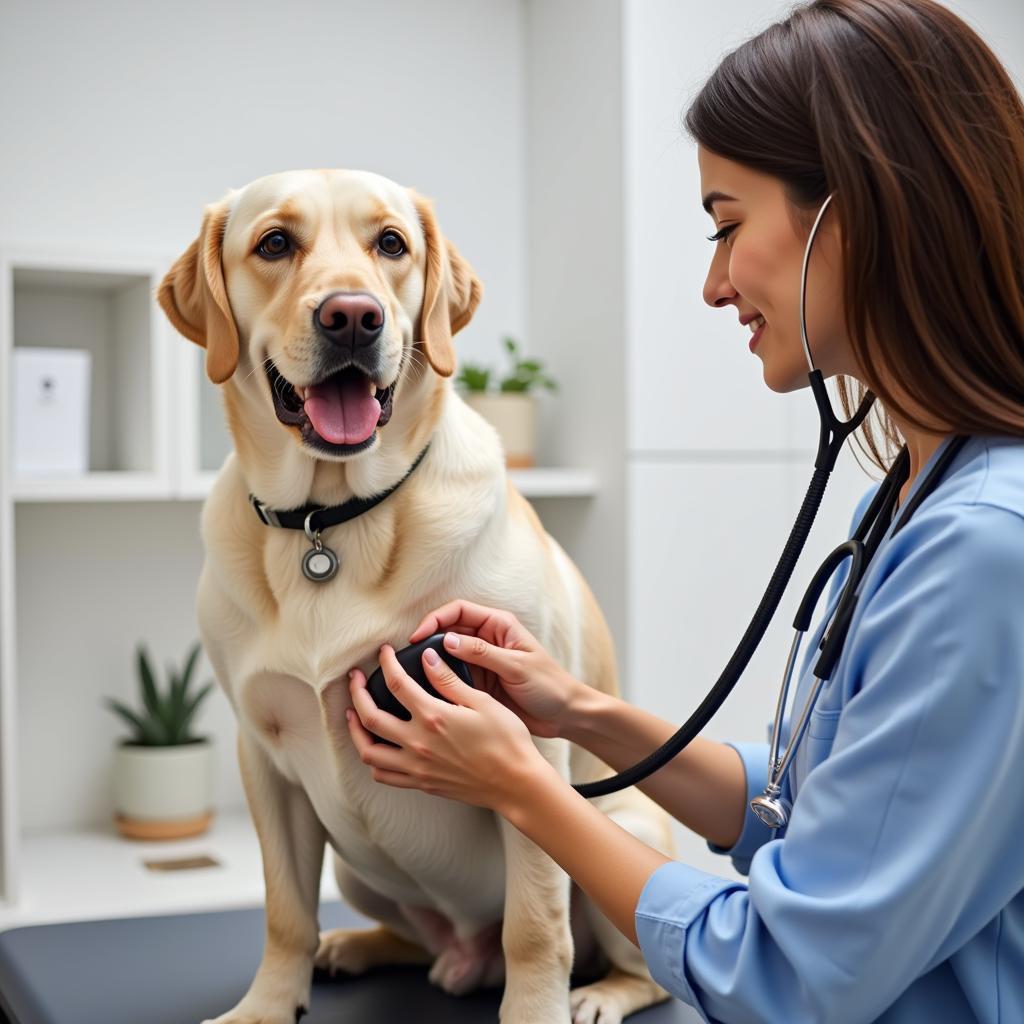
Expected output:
(473, 749)
(506, 661)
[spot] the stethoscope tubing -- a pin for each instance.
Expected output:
(832, 436)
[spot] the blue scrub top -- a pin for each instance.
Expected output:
(895, 892)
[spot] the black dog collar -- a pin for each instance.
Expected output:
(320, 562)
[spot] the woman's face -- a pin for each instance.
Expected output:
(756, 268)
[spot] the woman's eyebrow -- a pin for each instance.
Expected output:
(714, 197)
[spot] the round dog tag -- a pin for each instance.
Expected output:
(319, 564)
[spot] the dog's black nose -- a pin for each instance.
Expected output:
(350, 319)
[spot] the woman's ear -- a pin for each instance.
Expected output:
(451, 292)
(194, 297)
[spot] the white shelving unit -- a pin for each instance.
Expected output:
(157, 435)
(103, 305)
(92, 873)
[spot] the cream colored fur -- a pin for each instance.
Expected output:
(452, 885)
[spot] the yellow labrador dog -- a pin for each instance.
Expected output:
(326, 301)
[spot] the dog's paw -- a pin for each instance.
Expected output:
(254, 1015)
(356, 950)
(594, 1004)
(615, 996)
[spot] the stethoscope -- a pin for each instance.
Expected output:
(770, 807)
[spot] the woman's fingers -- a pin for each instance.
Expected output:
(384, 760)
(446, 681)
(440, 618)
(476, 651)
(376, 720)
(455, 614)
(410, 694)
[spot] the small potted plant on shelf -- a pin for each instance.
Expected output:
(163, 775)
(510, 409)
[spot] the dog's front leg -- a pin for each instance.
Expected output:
(292, 844)
(536, 935)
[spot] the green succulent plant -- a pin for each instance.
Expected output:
(525, 374)
(167, 716)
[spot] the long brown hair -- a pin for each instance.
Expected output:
(903, 111)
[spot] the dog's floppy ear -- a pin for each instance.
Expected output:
(194, 297)
(451, 292)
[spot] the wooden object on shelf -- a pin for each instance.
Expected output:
(132, 828)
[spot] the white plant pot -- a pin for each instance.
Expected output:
(513, 415)
(163, 792)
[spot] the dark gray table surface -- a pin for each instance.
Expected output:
(185, 968)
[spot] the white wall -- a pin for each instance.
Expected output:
(576, 272)
(717, 463)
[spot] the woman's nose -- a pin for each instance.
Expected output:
(718, 289)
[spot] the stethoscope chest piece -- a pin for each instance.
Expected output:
(771, 808)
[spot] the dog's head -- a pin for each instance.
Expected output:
(322, 288)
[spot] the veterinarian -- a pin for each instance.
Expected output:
(892, 891)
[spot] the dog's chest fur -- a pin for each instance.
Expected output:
(292, 643)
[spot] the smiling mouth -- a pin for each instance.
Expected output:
(339, 414)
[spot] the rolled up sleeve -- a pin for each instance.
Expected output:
(755, 833)
(672, 900)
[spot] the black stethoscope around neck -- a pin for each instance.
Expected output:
(770, 807)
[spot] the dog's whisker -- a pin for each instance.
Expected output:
(415, 354)
(266, 362)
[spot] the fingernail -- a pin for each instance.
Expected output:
(431, 655)
(451, 639)
(348, 714)
(352, 673)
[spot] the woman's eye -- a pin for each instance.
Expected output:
(391, 243)
(723, 233)
(273, 245)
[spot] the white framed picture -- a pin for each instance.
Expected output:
(51, 411)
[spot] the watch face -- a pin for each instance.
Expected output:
(320, 565)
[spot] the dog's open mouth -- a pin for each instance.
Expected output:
(341, 411)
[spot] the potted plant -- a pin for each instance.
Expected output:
(511, 408)
(163, 775)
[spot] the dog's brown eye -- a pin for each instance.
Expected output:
(391, 244)
(273, 245)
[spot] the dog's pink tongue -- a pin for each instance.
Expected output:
(342, 410)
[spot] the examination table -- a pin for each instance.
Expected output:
(185, 968)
